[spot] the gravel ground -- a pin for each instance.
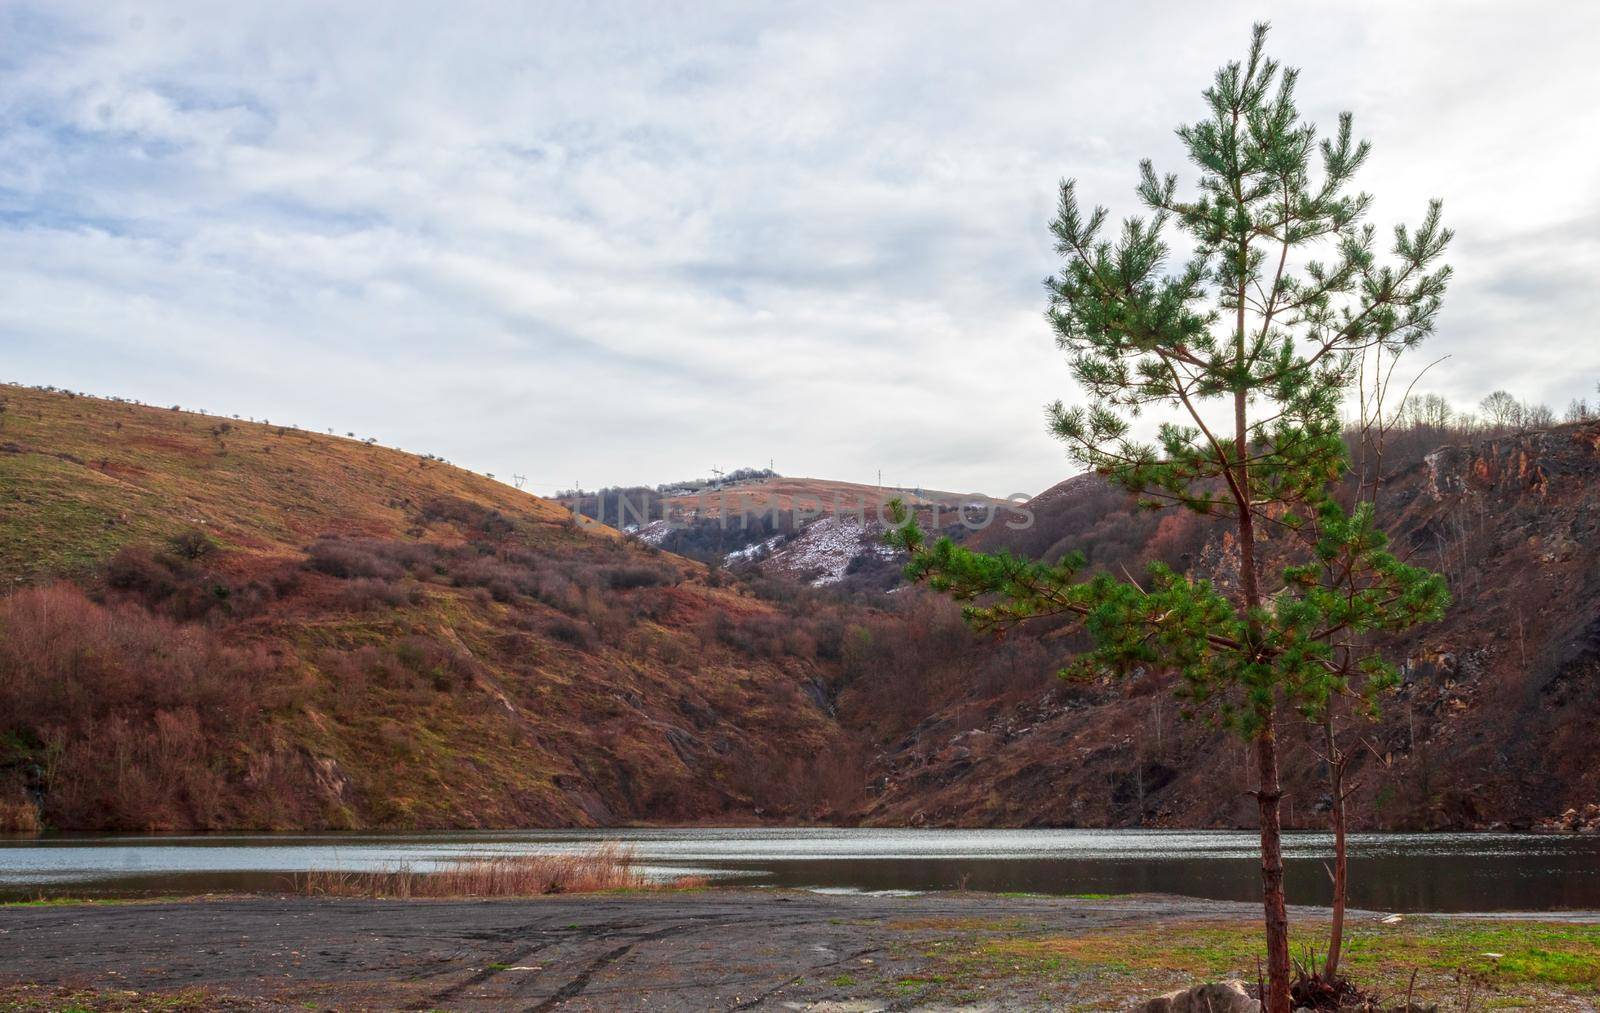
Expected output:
(718, 949)
(711, 950)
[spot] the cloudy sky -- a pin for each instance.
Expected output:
(597, 243)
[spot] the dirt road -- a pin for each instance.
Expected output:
(713, 950)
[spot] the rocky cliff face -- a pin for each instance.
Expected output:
(1507, 685)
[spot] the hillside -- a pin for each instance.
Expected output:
(769, 492)
(821, 532)
(266, 627)
(217, 624)
(1491, 727)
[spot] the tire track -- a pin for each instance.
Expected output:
(478, 978)
(813, 969)
(573, 988)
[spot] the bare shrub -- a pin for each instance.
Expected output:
(652, 607)
(559, 592)
(414, 557)
(569, 632)
(346, 558)
(504, 579)
(834, 781)
(468, 515)
(625, 578)
(136, 568)
(131, 717)
(178, 588)
(755, 636)
(192, 544)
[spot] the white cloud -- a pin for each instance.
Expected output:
(623, 243)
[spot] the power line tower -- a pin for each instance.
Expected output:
(718, 474)
(519, 481)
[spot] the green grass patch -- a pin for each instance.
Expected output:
(69, 901)
(917, 983)
(1383, 956)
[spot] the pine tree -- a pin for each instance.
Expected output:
(1252, 345)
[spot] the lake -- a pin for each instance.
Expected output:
(1389, 872)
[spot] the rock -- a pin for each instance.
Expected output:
(818, 692)
(1218, 997)
(1413, 1007)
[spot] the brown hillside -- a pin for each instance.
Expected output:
(274, 628)
(219, 624)
(787, 494)
(1493, 726)
(815, 496)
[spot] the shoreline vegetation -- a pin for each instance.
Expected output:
(609, 867)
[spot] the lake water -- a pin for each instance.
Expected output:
(1389, 872)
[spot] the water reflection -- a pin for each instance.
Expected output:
(1391, 872)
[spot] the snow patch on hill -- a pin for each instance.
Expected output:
(750, 552)
(653, 533)
(826, 546)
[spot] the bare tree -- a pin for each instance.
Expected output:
(1502, 409)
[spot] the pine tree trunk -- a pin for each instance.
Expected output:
(1268, 795)
(1341, 881)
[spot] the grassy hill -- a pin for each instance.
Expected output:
(217, 623)
(85, 476)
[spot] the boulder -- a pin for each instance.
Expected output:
(1217, 997)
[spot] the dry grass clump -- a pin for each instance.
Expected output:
(19, 816)
(609, 867)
